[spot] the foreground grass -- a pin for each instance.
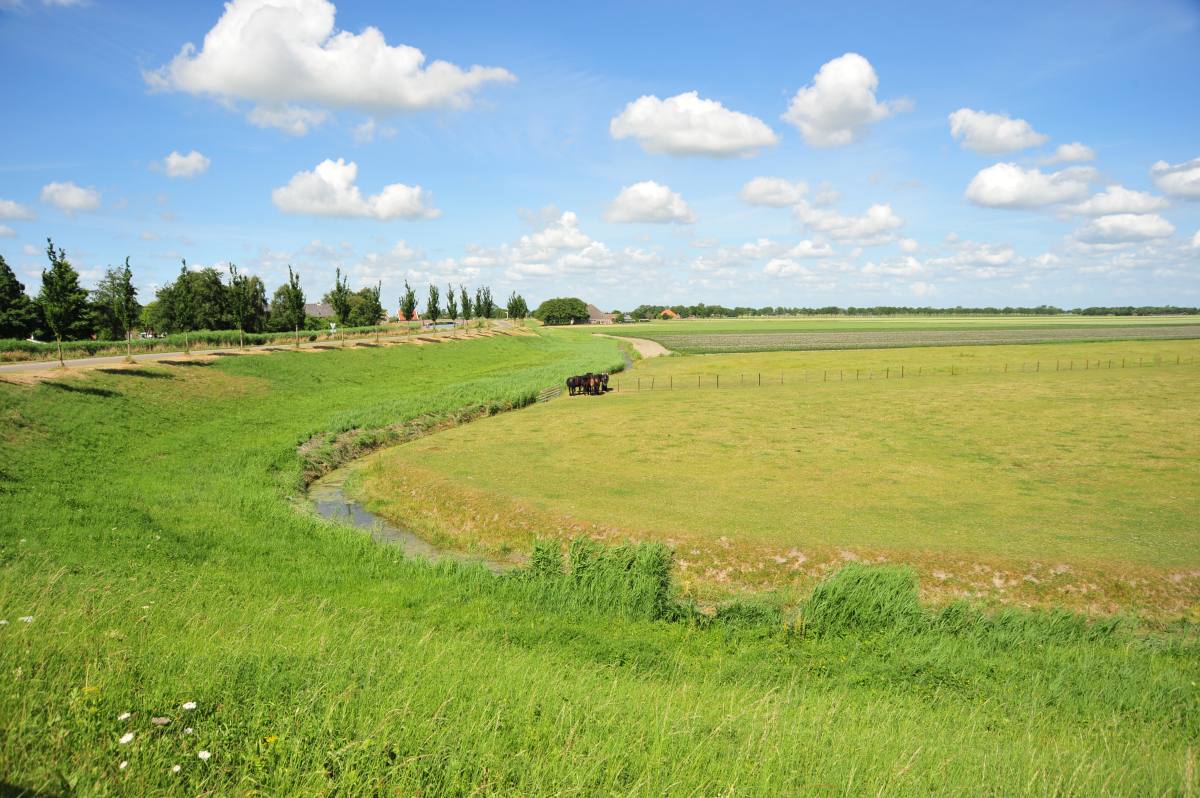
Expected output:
(148, 537)
(1074, 487)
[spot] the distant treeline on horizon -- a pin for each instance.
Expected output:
(704, 311)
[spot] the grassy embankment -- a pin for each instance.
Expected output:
(1075, 488)
(148, 537)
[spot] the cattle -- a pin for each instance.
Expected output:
(590, 384)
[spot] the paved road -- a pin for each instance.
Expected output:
(34, 366)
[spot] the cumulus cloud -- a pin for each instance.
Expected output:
(70, 198)
(330, 190)
(686, 124)
(648, 201)
(902, 267)
(993, 134)
(293, 120)
(190, 165)
(908, 245)
(1196, 240)
(875, 226)
(1006, 185)
(1121, 228)
(840, 103)
(980, 260)
(283, 55)
(774, 191)
(1071, 153)
(1118, 199)
(1178, 180)
(7, 232)
(15, 210)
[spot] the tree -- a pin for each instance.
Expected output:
(517, 309)
(63, 301)
(432, 311)
(18, 313)
(483, 302)
(465, 300)
(125, 305)
(339, 298)
(618, 317)
(293, 303)
(562, 310)
(182, 305)
(248, 303)
(408, 303)
(451, 304)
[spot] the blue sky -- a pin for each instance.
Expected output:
(626, 153)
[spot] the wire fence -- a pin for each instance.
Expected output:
(758, 379)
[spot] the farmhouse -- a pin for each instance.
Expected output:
(596, 316)
(319, 310)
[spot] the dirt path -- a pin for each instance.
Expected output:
(645, 347)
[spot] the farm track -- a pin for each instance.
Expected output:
(713, 343)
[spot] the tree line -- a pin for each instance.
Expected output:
(704, 311)
(203, 299)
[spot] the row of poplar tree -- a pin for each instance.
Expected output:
(201, 300)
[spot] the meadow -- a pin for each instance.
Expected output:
(178, 624)
(709, 336)
(1073, 484)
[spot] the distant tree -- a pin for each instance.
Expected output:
(210, 300)
(247, 301)
(18, 313)
(451, 304)
(517, 309)
(339, 298)
(63, 301)
(408, 303)
(465, 300)
(125, 306)
(293, 303)
(182, 299)
(562, 310)
(618, 317)
(483, 302)
(432, 311)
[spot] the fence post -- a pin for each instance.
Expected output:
(718, 380)
(901, 372)
(697, 380)
(887, 373)
(825, 376)
(672, 385)
(760, 379)
(841, 375)
(856, 371)
(639, 383)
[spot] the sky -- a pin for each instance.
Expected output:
(793, 154)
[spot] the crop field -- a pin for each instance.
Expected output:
(175, 621)
(760, 335)
(1069, 487)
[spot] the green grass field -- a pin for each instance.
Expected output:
(992, 481)
(710, 336)
(154, 561)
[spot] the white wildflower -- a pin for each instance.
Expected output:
(3, 622)
(124, 764)
(26, 619)
(189, 730)
(126, 738)
(189, 704)
(125, 716)
(176, 768)
(204, 755)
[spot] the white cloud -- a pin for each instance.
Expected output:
(370, 130)
(993, 134)
(1006, 185)
(648, 201)
(148, 235)
(7, 232)
(903, 267)
(329, 190)
(688, 125)
(983, 260)
(1071, 153)
(923, 289)
(810, 249)
(840, 103)
(1125, 227)
(1118, 199)
(70, 198)
(908, 245)
(786, 267)
(190, 165)
(15, 210)
(774, 191)
(1178, 180)
(873, 227)
(285, 54)
(1196, 240)
(826, 195)
(291, 119)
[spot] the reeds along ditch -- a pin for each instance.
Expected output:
(635, 581)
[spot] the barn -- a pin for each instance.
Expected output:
(597, 316)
